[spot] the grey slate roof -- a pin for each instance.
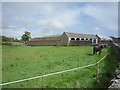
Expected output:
(77, 35)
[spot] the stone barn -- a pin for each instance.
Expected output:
(66, 39)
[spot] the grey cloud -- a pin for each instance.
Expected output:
(102, 13)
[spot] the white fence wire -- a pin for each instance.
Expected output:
(54, 73)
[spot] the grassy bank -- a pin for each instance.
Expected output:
(26, 61)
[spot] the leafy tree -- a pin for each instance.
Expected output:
(16, 40)
(6, 39)
(26, 36)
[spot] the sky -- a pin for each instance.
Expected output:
(53, 18)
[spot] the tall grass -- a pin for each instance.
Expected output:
(26, 61)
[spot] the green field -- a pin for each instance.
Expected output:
(21, 62)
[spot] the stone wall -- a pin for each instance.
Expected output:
(50, 41)
(47, 41)
(44, 43)
(116, 48)
(116, 80)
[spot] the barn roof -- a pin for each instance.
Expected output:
(77, 35)
(70, 34)
(55, 37)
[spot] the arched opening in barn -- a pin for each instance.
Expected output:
(72, 38)
(77, 39)
(82, 39)
(86, 39)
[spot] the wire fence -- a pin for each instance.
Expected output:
(55, 72)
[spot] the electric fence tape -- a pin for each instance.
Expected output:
(53, 73)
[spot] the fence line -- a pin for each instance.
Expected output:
(54, 73)
(116, 49)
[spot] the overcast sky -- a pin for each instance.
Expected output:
(45, 19)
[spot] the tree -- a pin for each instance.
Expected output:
(112, 37)
(7, 39)
(26, 37)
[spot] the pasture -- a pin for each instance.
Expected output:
(21, 62)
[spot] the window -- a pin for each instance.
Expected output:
(82, 39)
(77, 39)
(72, 38)
(86, 38)
(90, 39)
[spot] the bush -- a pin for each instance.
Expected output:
(6, 43)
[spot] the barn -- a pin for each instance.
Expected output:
(66, 39)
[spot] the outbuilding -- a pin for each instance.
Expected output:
(66, 39)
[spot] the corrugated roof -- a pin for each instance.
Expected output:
(46, 38)
(49, 36)
(77, 35)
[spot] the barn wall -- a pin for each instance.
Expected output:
(64, 39)
(98, 39)
(81, 43)
(45, 43)
(52, 41)
(49, 41)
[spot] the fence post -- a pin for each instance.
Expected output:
(97, 72)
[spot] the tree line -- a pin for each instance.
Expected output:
(25, 38)
(9, 39)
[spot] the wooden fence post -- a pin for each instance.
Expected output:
(97, 72)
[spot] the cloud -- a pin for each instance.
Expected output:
(57, 25)
(11, 26)
(42, 32)
(17, 32)
(52, 18)
(25, 20)
(29, 21)
(50, 15)
(96, 28)
(104, 13)
(14, 33)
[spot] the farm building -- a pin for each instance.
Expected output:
(66, 39)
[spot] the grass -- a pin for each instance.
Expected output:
(12, 43)
(26, 61)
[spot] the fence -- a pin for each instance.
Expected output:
(97, 74)
(116, 49)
